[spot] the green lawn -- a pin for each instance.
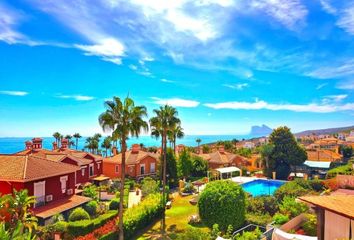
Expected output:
(176, 219)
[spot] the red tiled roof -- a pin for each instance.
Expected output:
(60, 206)
(219, 157)
(323, 155)
(24, 168)
(130, 157)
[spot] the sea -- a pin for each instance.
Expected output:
(10, 145)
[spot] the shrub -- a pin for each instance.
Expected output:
(91, 208)
(78, 214)
(222, 202)
(192, 233)
(280, 219)
(104, 218)
(91, 192)
(255, 235)
(292, 208)
(215, 231)
(310, 226)
(110, 236)
(60, 226)
(262, 205)
(80, 228)
(141, 215)
(258, 219)
(341, 170)
(149, 186)
(114, 204)
(294, 189)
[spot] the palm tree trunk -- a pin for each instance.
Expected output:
(164, 185)
(174, 145)
(77, 142)
(121, 195)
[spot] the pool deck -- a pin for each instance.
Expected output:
(242, 180)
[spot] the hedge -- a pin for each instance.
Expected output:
(83, 227)
(78, 214)
(222, 202)
(142, 215)
(91, 208)
(114, 204)
(341, 170)
(110, 236)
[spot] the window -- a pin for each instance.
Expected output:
(117, 168)
(83, 171)
(63, 181)
(91, 170)
(152, 167)
(142, 169)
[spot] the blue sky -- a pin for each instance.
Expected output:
(226, 65)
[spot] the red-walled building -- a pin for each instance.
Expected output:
(50, 182)
(138, 164)
(90, 165)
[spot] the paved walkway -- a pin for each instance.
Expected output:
(134, 199)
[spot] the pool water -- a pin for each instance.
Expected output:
(262, 187)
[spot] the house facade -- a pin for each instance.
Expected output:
(139, 163)
(90, 165)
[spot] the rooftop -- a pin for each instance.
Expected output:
(340, 204)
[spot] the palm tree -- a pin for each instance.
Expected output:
(125, 119)
(266, 151)
(57, 135)
(164, 122)
(69, 137)
(77, 136)
(107, 144)
(198, 140)
(176, 132)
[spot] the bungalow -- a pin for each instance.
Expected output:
(50, 182)
(90, 165)
(139, 163)
(221, 158)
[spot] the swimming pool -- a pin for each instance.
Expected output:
(262, 187)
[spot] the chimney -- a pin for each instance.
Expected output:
(55, 146)
(221, 149)
(64, 143)
(114, 150)
(28, 145)
(37, 143)
(135, 148)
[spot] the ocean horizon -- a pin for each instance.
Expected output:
(10, 145)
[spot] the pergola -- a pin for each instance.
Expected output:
(228, 170)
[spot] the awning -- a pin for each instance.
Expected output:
(101, 178)
(60, 206)
(317, 164)
(228, 169)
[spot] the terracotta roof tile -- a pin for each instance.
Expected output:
(131, 158)
(25, 168)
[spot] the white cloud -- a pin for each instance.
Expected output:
(326, 5)
(322, 85)
(334, 98)
(176, 102)
(108, 49)
(133, 67)
(346, 19)
(166, 80)
(290, 13)
(77, 97)
(334, 70)
(260, 104)
(14, 93)
(346, 85)
(238, 86)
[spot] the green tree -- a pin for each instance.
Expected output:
(266, 151)
(107, 144)
(184, 164)
(206, 149)
(76, 136)
(176, 132)
(165, 120)
(198, 140)
(286, 152)
(171, 170)
(125, 119)
(223, 203)
(199, 167)
(149, 186)
(347, 151)
(57, 136)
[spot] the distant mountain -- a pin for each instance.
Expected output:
(325, 131)
(261, 130)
